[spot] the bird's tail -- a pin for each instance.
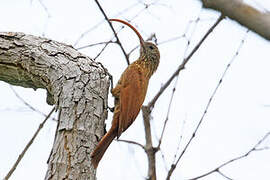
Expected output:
(102, 146)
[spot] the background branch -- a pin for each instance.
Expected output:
(27, 104)
(246, 15)
(147, 110)
(182, 65)
(254, 148)
(173, 166)
(114, 32)
(131, 142)
(28, 145)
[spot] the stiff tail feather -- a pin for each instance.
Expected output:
(102, 146)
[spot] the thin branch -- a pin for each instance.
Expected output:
(225, 176)
(254, 148)
(170, 39)
(99, 23)
(27, 146)
(27, 104)
(153, 37)
(180, 140)
(117, 41)
(101, 50)
(45, 8)
(177, 77)
(150, 150)
(17, 109)
(95, 44)
(173, 166)
(167, 116)
(212, 96)
(86, 32)
(163, 159)
(207, 107)
(182, 66)
(104, 47)
(115, 34)
(131, 142)
(48, 16)
(174, 89)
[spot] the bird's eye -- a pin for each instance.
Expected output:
(151, 47)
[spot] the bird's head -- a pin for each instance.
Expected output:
(148, 51)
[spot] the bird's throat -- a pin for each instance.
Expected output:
(148, 66)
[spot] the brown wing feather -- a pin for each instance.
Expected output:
(132, 96)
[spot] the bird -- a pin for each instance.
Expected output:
(129, 93)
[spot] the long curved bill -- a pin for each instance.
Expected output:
(133, 28)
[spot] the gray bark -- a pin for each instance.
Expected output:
(248, 16)
(75, 83)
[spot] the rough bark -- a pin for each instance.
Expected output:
(248, 16)
(75, 83)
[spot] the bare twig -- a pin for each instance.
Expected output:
(27, 146)
(99, 23)
(95, 44)
(86, 32)
(27, 104)
(48, 15)
(17, 109)
(225, 176)
(182, 66)
(115, 34)
(206, 108)
(131, 142)
(176, 81)
(177, 72)
(101, 50)
(147, 109)
(45, 8)
(146, 6)
(167, 116)
(171, 39)
(180, 140)
(254, 148)
(164, 160)
(174, 89)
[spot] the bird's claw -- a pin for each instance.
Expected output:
(111, 109)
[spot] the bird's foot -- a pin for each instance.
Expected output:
(111, 109)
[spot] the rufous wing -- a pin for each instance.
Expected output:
(132, 95)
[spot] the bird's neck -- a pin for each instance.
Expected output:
(149, 66)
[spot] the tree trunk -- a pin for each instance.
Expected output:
(77, 85)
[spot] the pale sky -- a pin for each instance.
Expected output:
(236, 120)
